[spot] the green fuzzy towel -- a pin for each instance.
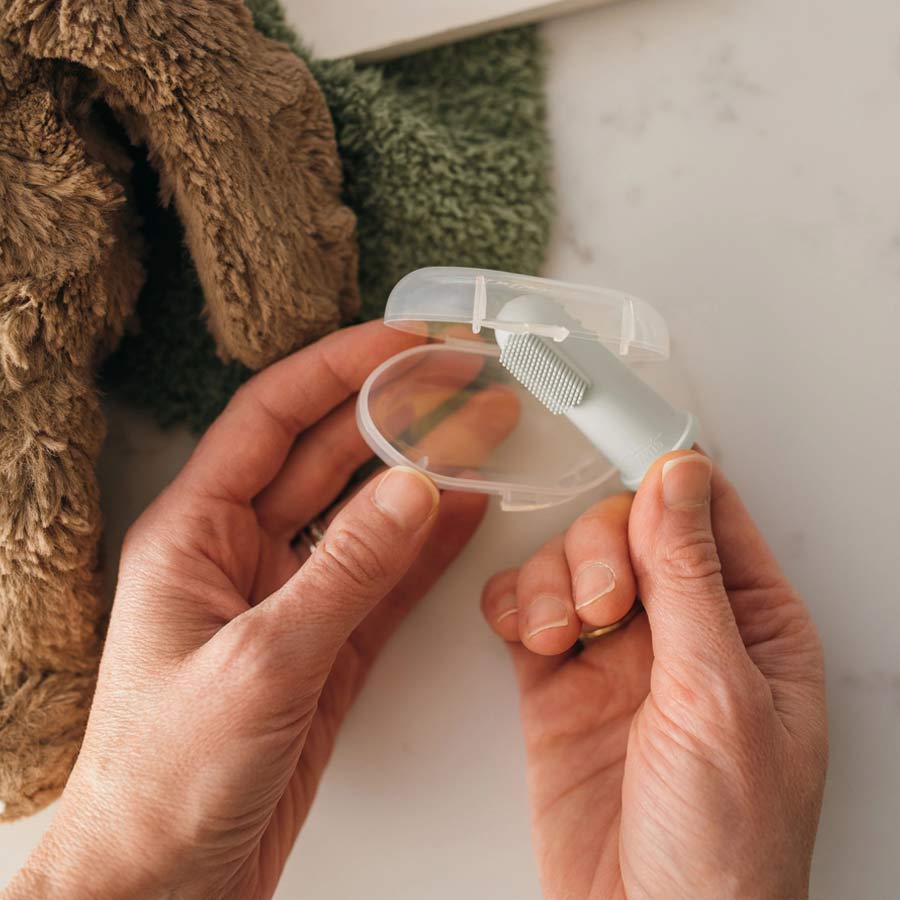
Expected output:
(446, 162)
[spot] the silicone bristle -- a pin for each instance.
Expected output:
(544, 372)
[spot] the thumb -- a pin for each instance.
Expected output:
(367, 549)
(677, 565)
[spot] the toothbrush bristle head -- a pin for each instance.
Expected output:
(537, 366)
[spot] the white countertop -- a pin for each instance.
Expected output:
(736, 164)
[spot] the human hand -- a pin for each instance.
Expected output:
(231, 657)
(683, 755)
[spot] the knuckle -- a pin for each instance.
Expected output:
(693, 557)
(254, 667)
(610, 514)
(146, 547)
(150, 522)
(253, 655)
(355, 559)
(245, 653)
(498, 583)
(548, 555)
(244, 395)
(585, 531)
(132, 538)
(714, 699)
(532, 579)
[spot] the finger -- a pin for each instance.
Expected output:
(596, 544)
(500, 606)
(462, 441)
(334, 448)
(247, 445)
(316, 471)
(548, 624)
(617, 666)
(367, 549)
(416, 384)
(459, 444)
(457, 519)
(332, 512)
(678, 569)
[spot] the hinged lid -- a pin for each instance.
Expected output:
(446, 297)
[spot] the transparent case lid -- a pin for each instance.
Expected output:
(451, 410)
(444, 297)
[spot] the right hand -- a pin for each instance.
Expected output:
(684, 755)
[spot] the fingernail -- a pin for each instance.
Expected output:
(592, 583)
(544, 613)
(407, 497)
(508, 606)
(685, 481)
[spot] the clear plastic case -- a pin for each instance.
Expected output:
(448, 408)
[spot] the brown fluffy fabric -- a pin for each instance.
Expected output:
(245, 149)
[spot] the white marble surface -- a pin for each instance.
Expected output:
(736, 164)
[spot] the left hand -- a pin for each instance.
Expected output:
(683, 755)
(231, 657)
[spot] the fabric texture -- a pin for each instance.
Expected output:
(446, 162)
(167, 157)
(242, 146)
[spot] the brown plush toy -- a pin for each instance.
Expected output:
(244, 146)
